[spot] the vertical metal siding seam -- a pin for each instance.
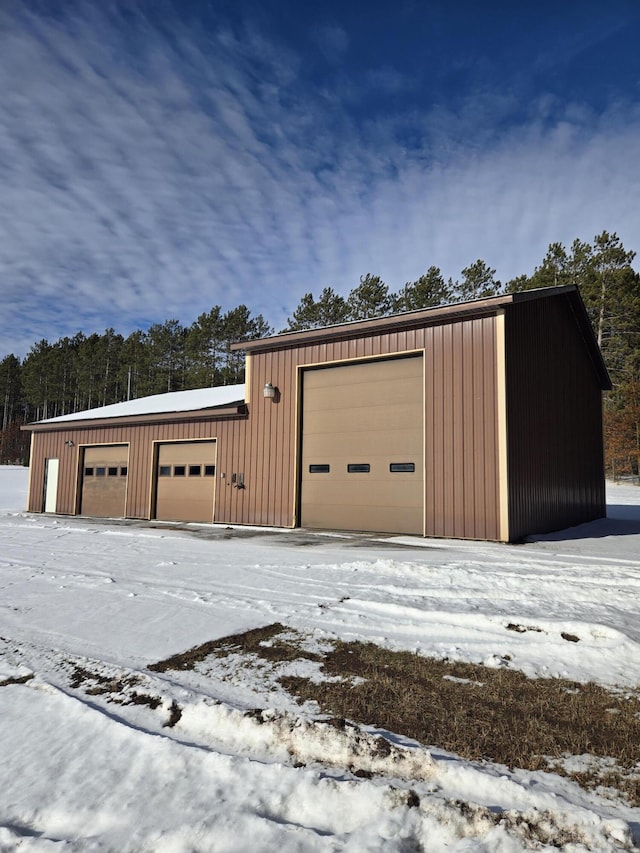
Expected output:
(501, 401)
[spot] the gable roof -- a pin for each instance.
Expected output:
(436, 316)
(205, 400)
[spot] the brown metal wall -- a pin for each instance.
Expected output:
(461, 434)
(229, 433)
(554, 416)
(462, 478)
(461, 430)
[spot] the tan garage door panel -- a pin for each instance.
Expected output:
(104, 481)
(185, 481)
(368, 415)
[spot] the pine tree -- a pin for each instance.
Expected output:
(37, 370)
(167, 343)
(134, 370)
(239, 325)
(555, 270)
(428, 291)
(330, 309)
(11, 399)
(205, 349)
(371, 298)
(478, 282)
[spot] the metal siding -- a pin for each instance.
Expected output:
(229, 433)
(490, 420)
(457, 369)
(477, 370)
(459, 500)
(554, 416)
(460, 433)
(461, 430)
(468, 508)
(435, 424)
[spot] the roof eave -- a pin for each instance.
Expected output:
(433, 316)
(420, 317)
(238, 410)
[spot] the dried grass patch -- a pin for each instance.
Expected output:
(498, 715)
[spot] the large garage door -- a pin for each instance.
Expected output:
(362, 447)
(185, 481)
(104, 480)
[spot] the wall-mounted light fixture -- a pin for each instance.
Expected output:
(269, 392)
(69, 443)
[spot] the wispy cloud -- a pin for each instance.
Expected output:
(153, 170)
(333, 41)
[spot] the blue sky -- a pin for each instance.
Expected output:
(159, 158)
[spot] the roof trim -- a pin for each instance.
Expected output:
(442, 314)
(218, 413)
(355, 328)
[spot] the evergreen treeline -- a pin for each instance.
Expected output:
(79, 373)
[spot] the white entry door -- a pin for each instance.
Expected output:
(51, 485)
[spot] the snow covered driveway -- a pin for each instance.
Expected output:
(77, 773)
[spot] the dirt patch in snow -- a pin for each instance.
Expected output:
(18, 679)
(268, 642)
(119, 689)
(477, 712)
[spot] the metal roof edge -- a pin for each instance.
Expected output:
(353, 328)
(429, 316)
(572, 292)
(588, 334)
(226, 411)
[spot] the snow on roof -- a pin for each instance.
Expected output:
(174, 401)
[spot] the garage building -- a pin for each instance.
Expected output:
(478, 420)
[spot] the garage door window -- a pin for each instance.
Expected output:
(358, 468)
(195, 470)
(319, 469)
(402, 467)
(164, 471)
(209, 470)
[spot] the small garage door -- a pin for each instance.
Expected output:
(185, 481)
(104, 481)
(363, 446)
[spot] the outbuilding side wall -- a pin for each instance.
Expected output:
(512, 418)
(461, 430)
(460, 419)
(230, 434)
(554, 417)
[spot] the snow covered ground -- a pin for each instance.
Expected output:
(102, 600)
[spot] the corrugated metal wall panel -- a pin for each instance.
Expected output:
(461, 430)
(460, 425)
(230, 435)
(461, 489)
(467, 434)
(554, 412)
(490, 480)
